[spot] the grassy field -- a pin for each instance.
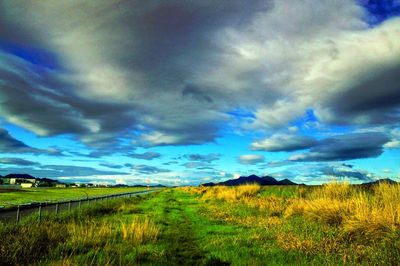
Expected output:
(21, 196)
(247, 225)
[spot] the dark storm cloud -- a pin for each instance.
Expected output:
(147, 169)
(170, 72)
(71, 170)
(58, 171)
(197, 93)
(150, 155)
(324, 172)
(46, 103)
(8, 144)
(284, 142)
(344, 173)
(18, 161)
(373, 100)
(157, 40)
(345, 147)
(203, 158)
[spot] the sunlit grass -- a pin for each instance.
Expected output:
(231, 193)
(93, 235)
(346, 222)
(333, 224)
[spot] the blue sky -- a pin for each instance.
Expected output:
(180, 93)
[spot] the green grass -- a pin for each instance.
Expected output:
(21, 196)
(185, 227)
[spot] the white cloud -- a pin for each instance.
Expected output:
(236, 176)
(251, 158)
(283, 142)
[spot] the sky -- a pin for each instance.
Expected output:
(188, 92)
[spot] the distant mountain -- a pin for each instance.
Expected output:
(288, 182)
(386, 180)
(263, 181)
(26, 176)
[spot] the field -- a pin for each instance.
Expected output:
(22, 196)
(248, 225)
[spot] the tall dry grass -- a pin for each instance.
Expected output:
(231, 193)
(359, 213)
(139, 230)
(371, 214)
(195, 190)
(75, 233)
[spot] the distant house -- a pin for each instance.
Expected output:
(60, 185)
(26, 185)
(17, 180)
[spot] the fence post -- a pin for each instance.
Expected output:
(56, 208)
(40, 211)
(80, 201)
(69, 205)
(18, 214)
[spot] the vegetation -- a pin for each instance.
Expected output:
(112, 232)
(331, 224)
(21, 196)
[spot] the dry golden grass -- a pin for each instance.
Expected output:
(194, 190)
(139, 231)
(272, 205)
(334, 190)
(371, 216)
(359, 214)
(231, 193)
(90, 233)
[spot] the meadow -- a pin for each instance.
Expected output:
(24, 196)
(334, 224)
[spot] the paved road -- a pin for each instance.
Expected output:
(10, 215)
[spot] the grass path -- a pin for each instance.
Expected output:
(178, 232)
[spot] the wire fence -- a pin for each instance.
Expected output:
(20, 211)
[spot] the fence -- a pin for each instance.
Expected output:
(20, 211)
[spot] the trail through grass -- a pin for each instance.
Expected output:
(178, 231)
